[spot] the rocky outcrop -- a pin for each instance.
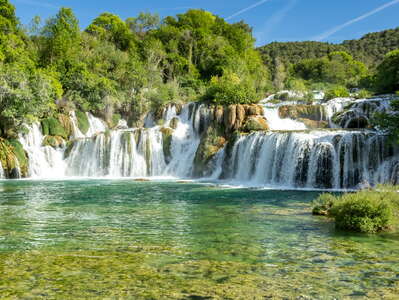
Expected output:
(311, 124)
(302, 111)
(255, 123)
(13, 159)
(211, 143)
(53, 141)
(167, 135)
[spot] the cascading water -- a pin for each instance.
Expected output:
(329, 159)
(320, 159)
(276, 123)
(44, 161)
(2, 175)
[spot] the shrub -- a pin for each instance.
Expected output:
(322, 205)
(230, 89)
(363, 94)
(365, 211)
(337, 92)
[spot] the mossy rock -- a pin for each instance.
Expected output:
(211, 143)
(52, 126)
(311, 112)
(83, 121)
(53, 141)
(13, 155)
(167, 137)
(66, 123)
(311, 124)
(174, 122)
(255, 123)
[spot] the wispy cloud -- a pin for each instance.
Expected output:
(247, 9)
(330, 32)
(37, 3)
(273, 21)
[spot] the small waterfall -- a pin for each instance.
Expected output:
(77, 134)
(185, 141)
(328, 160)
(276, 123)
(96, 126)
(44, 162)
(2, 174)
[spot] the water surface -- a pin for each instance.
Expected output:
(161, 240)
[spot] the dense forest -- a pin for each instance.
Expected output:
(123, 68)
(370, 49)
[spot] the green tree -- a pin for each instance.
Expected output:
(62, 36)
(387, 77)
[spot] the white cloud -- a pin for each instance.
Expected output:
(330, 32)
(247, 9)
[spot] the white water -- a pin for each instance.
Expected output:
(320, 159)
(315, 159)
(44, 162)
(2, 175)
(276, 123)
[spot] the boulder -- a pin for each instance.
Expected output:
(230, 114)
(255, 123)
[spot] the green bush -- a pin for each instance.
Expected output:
(365, 211)
(322, 205)
(230, 89)
(83, 121)
(363, 94)
(337, 92)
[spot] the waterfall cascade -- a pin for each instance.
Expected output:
(295, 157)
(2, 175)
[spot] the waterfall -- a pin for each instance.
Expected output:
(44, 161)
(325, 159)
(95, 126)
(320, 159)
(2, 175)
(276, 123)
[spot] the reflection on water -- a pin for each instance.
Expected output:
(175, 241)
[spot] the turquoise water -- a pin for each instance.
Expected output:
(162, 240)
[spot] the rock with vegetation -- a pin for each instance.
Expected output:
(212, 142)
(368, 211)
(53, 141)
(83, 121)
(167, 137)
(255, 123)
(53, 127)
(13, 159)
(302, 111)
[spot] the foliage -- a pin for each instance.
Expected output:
(230, 89)
(389, 121)
(368, 211)
(336, 68)
(387, 77)
(337, 92)
(52, 126)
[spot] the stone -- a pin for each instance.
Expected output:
(255, 123)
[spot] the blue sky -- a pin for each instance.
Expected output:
(272, 20)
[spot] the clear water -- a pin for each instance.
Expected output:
(106, 239)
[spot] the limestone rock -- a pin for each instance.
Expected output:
(255, 123)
